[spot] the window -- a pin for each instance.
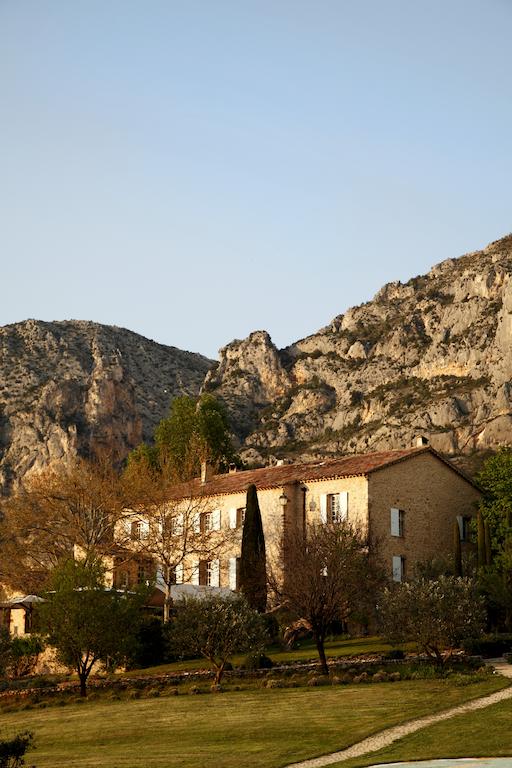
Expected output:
(136, 530)
(141, 573)
(236, 517)
(463, 523)
(123, 579)
(334, 507)
(398, 568)
(397, 522)
(209, 573)
(210, 521)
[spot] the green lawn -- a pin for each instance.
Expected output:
(485, 733)
(250, 728)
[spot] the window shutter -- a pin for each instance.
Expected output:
(178, 524)
(323, 507)
(144, 529)
(343, 505)
(215, 573)
(216, 520)
(127, 527)
(232, 517)
(178, 571)
(194, 577)
(232, 572)
(395, 522)
(196, 522)
(397, 568)
(460, 523)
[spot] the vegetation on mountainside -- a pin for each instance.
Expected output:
(196, 430)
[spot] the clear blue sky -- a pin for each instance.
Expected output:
(195, 170)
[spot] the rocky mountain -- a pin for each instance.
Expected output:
(432, 356)
(67, 387)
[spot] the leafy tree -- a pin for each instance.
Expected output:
(216, 628)
(336, 575)
(495, 535)
(196, 430)
(12, 751)
(87, 623)
(253, 572)
(437, 614)
(495, 479)
(5, 649)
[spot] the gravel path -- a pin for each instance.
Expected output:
(387, 737)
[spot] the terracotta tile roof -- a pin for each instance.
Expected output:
(275, 477)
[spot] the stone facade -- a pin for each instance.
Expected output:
(408, 500)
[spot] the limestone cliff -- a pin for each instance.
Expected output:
(69, 387)
(432, 356)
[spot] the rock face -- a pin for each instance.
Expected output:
(69, 387)
(432, 356)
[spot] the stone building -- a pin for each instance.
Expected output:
(407, 499)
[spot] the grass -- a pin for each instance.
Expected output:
(485, 733)
(254, 727)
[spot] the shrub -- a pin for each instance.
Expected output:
(25, 653)
(489, 646)
(396, 654)
(255, 661)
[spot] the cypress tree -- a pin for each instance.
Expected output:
(457, 550)
(253, 572)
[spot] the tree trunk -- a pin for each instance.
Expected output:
(219, 672)
(319, 641)
(83, 683)
(167, 604)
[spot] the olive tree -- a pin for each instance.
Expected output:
(435, 614)
(216, 628)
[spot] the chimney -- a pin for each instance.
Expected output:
(206, 472)
(421, 440)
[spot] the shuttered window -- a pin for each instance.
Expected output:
(213, 573)
(463, 523)
(179, 571)
(334, 507)
(233, 572)
(397, 522)
(398, 568)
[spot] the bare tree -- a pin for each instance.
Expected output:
(331, 573)
(174, 525)
(52, 512)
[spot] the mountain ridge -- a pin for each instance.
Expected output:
(430, 356)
